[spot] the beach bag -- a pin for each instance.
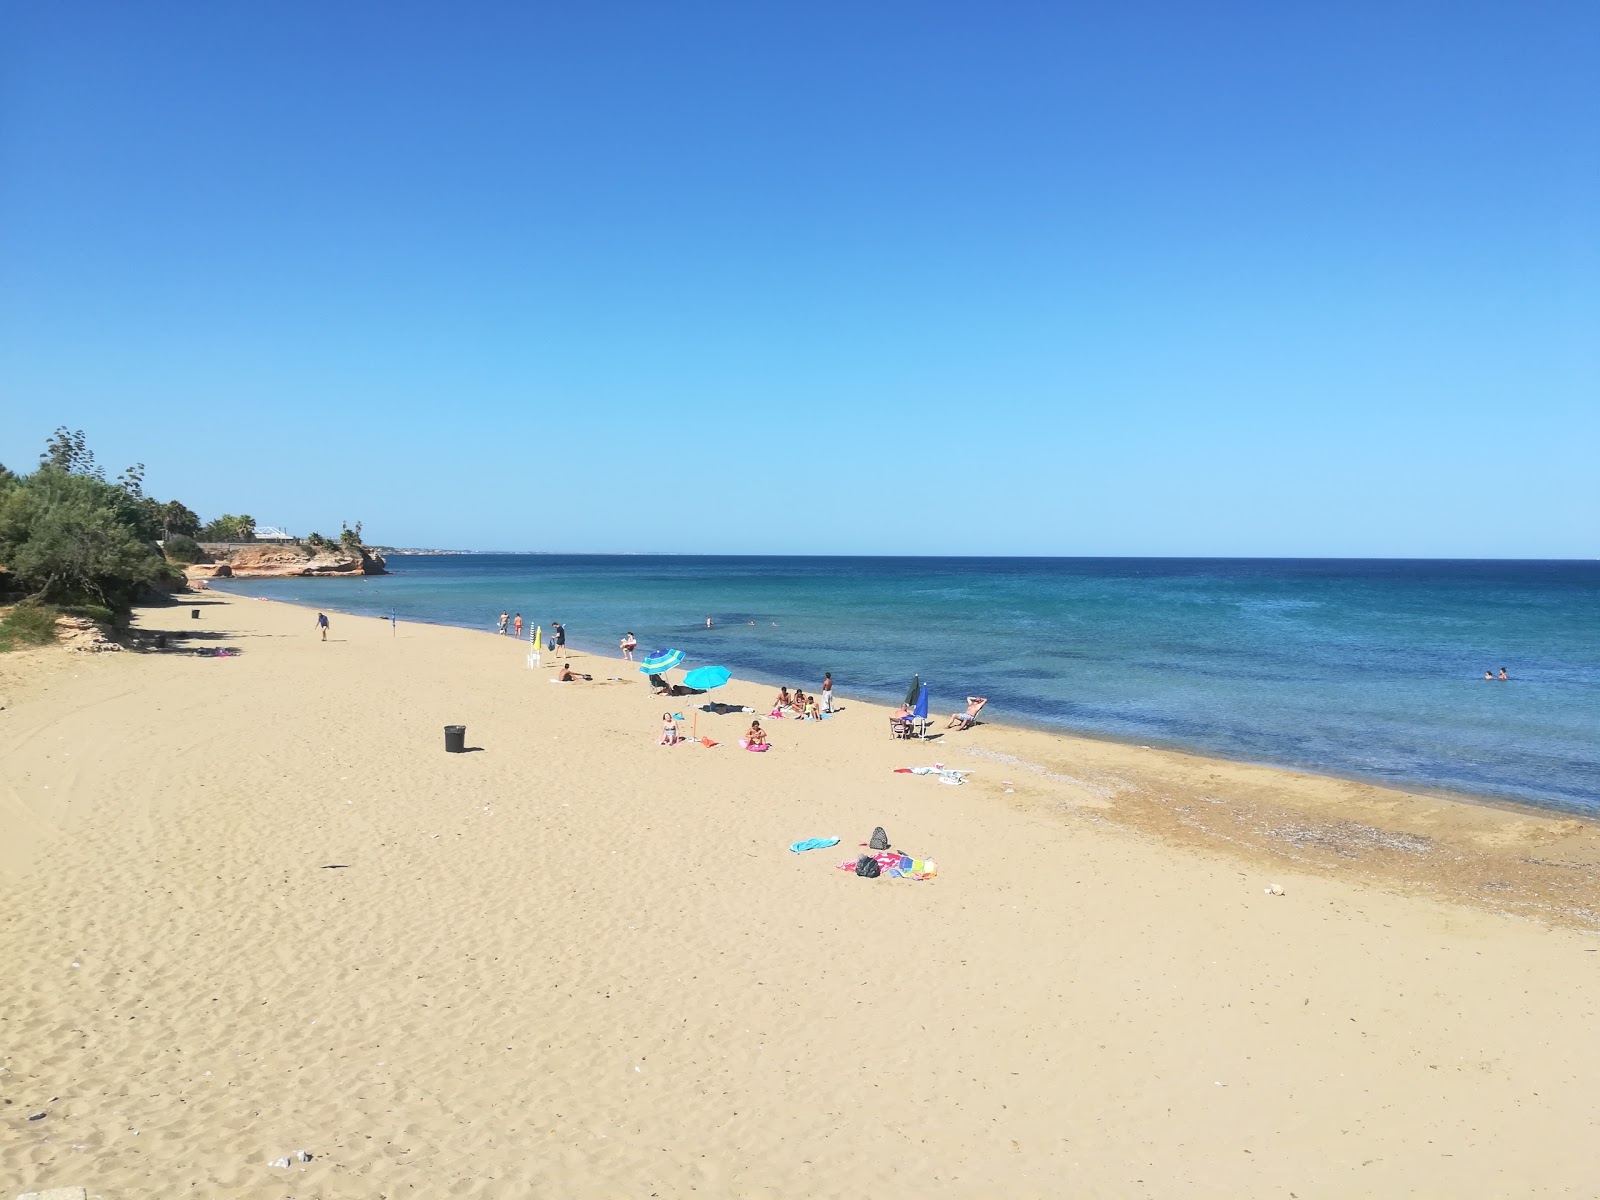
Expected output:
(867, 867)
(880, 839)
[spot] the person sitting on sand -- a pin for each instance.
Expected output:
(812, 712)
(756, 736)
(783, 701)
(669, 731)
(566, 675)
(798, 704)
(964, 720)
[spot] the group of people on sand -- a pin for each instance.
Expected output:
(512, 625)
(798, 704)
(754, 736)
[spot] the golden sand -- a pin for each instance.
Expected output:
(251, 907)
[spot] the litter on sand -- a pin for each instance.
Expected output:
(946, 774)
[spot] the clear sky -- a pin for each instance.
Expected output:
(1043, 278)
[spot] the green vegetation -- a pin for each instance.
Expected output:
(69, 537)
(229, 528)
(71, 540)
(27, 625)
(182, 549)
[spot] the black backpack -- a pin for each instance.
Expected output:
(867, 867)
(880, 839)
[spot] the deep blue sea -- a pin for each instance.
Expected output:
(1366, 669)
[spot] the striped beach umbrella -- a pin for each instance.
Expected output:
(661, 660)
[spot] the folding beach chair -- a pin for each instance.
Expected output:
(918, 722)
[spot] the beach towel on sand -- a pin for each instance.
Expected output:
(814, 844)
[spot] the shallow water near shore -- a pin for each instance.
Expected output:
(1366, 668)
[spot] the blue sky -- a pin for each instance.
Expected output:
(855, 278)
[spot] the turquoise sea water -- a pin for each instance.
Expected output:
(1369, 669)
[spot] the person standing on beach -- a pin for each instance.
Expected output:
(322, 624)
(503, 619)
(628, 644)
(827, 691)
(517, 624)
(559, 633)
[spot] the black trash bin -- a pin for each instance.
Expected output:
(194, 613)
(455, 738)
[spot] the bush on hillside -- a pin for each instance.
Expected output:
(180, 548)
(93, 612)
(27, 625)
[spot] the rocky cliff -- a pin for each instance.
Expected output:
(266, 561)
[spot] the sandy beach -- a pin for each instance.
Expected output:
(251, 907)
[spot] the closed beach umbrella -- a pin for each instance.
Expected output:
(916, 687)
(661, 660)
(705, 678)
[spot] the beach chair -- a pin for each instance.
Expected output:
(966, 720)
(918, 722)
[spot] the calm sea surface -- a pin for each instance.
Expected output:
(1371, 669)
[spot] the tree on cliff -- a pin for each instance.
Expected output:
(229, 528)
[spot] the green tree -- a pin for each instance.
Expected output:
(70, 537)
(175, 520)
(182, 549)
(68, 450)
(229, 528)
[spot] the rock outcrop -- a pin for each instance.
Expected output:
(80, 633)
(268, 560)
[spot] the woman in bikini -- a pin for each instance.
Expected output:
(669, 731)
(756, 736)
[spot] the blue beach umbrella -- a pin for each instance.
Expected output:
(705, 678)
(661, 660)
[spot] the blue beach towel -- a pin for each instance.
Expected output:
(814, 844)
